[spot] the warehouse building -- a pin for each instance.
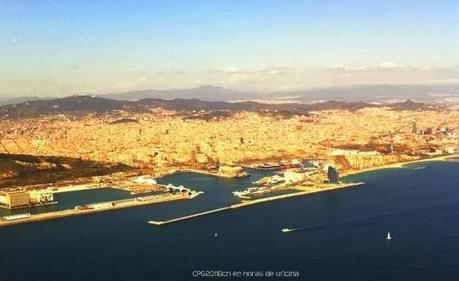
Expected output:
(16, 198)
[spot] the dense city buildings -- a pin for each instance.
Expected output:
(161, 138)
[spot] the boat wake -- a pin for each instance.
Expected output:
(419, 168)
(292, 229)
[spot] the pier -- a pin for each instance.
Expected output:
(253, 202)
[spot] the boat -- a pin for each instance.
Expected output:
(242, 194)
(287, 229)
(290, 165)
(269, 180)
(388, 236)
(268, 166)
(84, 207)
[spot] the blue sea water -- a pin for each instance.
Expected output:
(341, 234)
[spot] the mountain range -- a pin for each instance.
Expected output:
(188, 108)
(368, 93)
(365, 93)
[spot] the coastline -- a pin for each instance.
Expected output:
(399, 164)
(343, 174)
(304, 191)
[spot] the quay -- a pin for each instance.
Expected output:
(97, 207)
(79, 187)
(254, 202)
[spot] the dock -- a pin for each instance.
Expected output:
(99, 207)
(252, 202)
(79, 187)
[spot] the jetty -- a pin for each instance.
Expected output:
(190, 216)
(253, 202)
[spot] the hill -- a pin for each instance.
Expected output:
(365, 93)
(206, 93)
(368, 93)
(82, 105)
(22, 169)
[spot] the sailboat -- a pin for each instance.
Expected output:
(388, 236)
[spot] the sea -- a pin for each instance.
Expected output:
(337, 235)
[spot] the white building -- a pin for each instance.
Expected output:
(145, 180)
(451, 149)
(41, 196)
(292, 177)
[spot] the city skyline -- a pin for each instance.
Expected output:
(63, 48)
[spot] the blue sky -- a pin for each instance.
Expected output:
(68, 47)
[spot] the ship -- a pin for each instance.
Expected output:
(242, 194)
(269, 166)
(290, 165)
(269, 180)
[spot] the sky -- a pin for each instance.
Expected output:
(56, 48)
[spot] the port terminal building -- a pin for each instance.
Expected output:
(20, 198)
(16, 198)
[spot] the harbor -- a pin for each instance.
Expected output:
(293, 179)
(254, 202)
(97, 207)
(269, 182)
(20, 203)
(346, 217)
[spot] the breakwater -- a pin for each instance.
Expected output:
(254, 202)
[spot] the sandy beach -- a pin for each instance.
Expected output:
(399, 164)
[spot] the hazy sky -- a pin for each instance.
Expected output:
(69, 47)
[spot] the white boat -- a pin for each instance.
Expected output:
(388, 236)
(286, 229)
